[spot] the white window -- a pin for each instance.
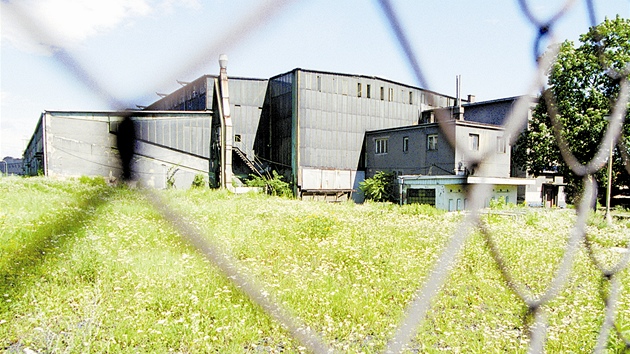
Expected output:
(359, 90)
(381, 145)
(390, 97)
(500, 145)
(432, 142)
(474, 141)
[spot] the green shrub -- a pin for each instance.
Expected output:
(379, 188)
(500, 203)
(199, 181)
(274, 186)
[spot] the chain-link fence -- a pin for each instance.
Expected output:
(417, 310)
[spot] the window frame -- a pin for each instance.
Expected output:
(432, 142)
(381, 145)
(501, 145)
(474, 141)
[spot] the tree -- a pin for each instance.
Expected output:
(583, 86)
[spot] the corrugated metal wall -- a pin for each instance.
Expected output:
(274, 138)
(34, 152)
(189, 134)
(335, 111)
(194, 96)
(84, 143)
(247, 97)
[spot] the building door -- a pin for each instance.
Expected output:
(549, 196)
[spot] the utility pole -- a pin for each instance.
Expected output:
(609, 187)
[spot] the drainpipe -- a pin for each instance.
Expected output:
(226, 133)
(401, 181)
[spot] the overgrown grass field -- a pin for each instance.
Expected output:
(89, 268)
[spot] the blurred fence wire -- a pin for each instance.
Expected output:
(421, 303)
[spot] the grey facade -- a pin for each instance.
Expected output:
(308, 125)
(489, 112)
(424, 150)
(171, 146)
(247, 96)
(313, 125)
(431, 170)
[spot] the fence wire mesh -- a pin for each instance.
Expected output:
(536, 319)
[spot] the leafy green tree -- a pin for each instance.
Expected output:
(583, 86)
(379, 188)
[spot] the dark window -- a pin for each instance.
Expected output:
(405, 144)
(382, 93)
(421, 196)
(368, 93)
(359, 90)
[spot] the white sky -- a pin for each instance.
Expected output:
(134, 48)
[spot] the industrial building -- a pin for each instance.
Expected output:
(307, 125)
(430, 170)
(11, 166)
(322, 131)
(171, 147)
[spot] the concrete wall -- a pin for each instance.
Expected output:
(496, 162)
(452, 197)
(444, 159)
(418, 159)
